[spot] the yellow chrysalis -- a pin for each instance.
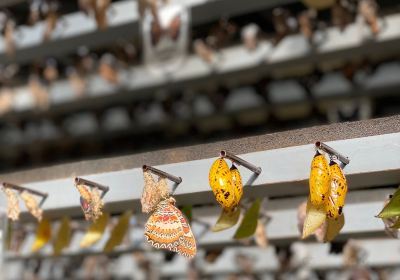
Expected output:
(337, 192)
(220, 179)
(319, 180)
(237, 184)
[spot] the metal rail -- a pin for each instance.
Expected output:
(286, 172)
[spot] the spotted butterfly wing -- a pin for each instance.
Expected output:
(187, 247)
(168, 229)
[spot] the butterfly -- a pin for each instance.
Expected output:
(168, 229)
(91, 202)
(153, 192)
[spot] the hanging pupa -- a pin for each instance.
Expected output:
(95, 231)
(43, 235)
(32, 205)
(320, 180)
(237, 184)
(13, 209)
(63, 236)
(91, 202)
(153, 192)
(337, 192)
(220, 179)
(118, 232)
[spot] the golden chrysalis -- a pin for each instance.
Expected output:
(220, 179)
(319, 180)
(337, 192)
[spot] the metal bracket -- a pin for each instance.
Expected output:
(332, 152)
(21, 189)
(91, 184)
(175, 179)
(242, 162)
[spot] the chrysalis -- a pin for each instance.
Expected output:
(220, 179)
(43, 235)
(95, 231)
(32, 205)
(153, 192)
(13, 209)
(368, 9)
(320, 180)
(91, 202)
(237, 184)
(101, 9)
(51, 18)
(337, 192)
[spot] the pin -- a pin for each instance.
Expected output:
(91, 184)
(161, 173)
(332, 152)
(21, 189)
(242, 162)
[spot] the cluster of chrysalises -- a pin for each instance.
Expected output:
(226, 184)
(13, 209)
(328, 189)
(166, 228)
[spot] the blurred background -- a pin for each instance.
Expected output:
(88, 79)
(82, 80)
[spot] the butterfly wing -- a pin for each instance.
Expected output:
(167, 228)
(163, 229)
(187, 247)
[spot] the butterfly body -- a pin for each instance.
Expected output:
(319, 180)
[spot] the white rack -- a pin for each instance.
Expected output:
(235, 66)
(76, 29)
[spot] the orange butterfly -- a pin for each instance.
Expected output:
(168, 229)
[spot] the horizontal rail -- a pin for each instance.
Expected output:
(359, 211)
(374, 163)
